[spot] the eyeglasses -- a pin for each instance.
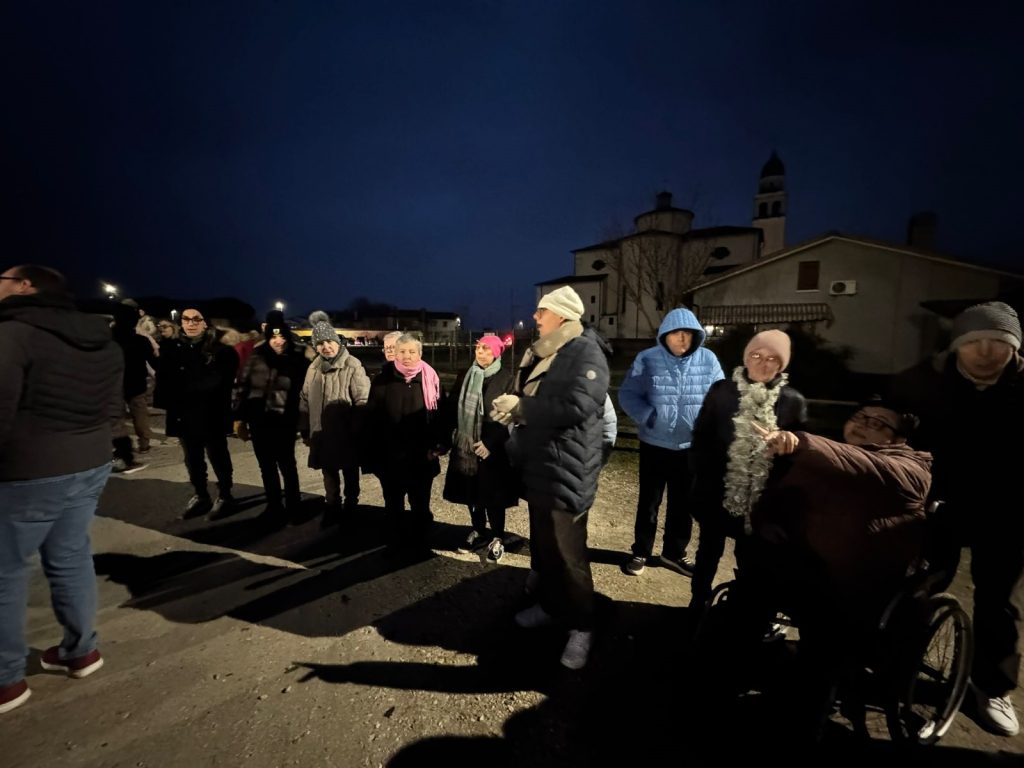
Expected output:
(192, 319)
(871, 422)
(758, 357)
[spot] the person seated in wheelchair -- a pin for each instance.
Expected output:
(834, 535)
(850, 514)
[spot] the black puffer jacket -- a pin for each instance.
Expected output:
(557, 444)
(60, 390)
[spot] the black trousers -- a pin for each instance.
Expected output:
(274, 445)
(558, 549)
(997, 569)
(661, 468)
(715, 527)
(411, 526)
(332, 485)
(215, 446)
(480, 516)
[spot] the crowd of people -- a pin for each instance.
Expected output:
(732, 451)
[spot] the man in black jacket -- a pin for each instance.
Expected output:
(195, 379)
(59, 394)
(558, 410)
(970, 399)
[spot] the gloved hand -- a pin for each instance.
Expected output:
(505, 409)
(481, 450)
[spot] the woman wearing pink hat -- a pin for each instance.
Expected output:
(728, 455)
(479, 474)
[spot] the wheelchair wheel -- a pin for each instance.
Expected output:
(932, 668)
(713, 618)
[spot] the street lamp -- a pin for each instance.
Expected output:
(279, 306)
(110, 290)
(174, 314)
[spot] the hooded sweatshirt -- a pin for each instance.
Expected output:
(663, 393)
(60, 391)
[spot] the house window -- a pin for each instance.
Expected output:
(598, 265)
(591, 318)
(807, 276)
(776, 208)
(762, 211)
(611, 321)
(660, 296)
(593, 299)
(444, 323)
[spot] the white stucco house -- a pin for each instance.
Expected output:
(884, 301)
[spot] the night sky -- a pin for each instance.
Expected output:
(450, 154)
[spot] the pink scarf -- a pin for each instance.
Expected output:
(431, 384)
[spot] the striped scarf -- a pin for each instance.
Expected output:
(471, 416)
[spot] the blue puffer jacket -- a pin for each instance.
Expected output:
(663, 393)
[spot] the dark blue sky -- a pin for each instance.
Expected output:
(450, 154)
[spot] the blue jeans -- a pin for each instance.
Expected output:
(51, 515)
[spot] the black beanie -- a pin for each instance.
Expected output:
(276, 325)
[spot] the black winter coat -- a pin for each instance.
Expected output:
(400, 430)
(60, 391)
(195, 382)
(713, 433)
(967, 429)
(494, 486)
(557, 444)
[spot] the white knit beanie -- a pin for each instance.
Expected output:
(564, 302)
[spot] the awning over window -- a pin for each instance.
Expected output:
(763, 314)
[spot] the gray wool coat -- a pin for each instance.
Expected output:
(330, 411)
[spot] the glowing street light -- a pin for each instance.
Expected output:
(279, 306)
(110, 290)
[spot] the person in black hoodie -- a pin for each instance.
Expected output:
(59, 395)
(195, 379)
(266, 403)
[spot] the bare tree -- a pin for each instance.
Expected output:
(657, 270)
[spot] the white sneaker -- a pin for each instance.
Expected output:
(533, 617)
(996, 712)
(495, 551)
(577, 650)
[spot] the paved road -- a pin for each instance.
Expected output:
(228, 643)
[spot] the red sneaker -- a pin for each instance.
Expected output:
(77, 668)
(13, 695)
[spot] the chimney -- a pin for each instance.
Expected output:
(921, 231)
(664, 201)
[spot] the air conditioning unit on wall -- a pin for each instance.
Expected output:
(843, 287)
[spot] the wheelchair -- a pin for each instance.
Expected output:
(908, 674)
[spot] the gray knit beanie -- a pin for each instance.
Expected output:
(323, 332)
(991, 320)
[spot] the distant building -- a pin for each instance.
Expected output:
(628, 283)
(433, 327)
(888, 303)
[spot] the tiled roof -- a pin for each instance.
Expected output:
(763, 314)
